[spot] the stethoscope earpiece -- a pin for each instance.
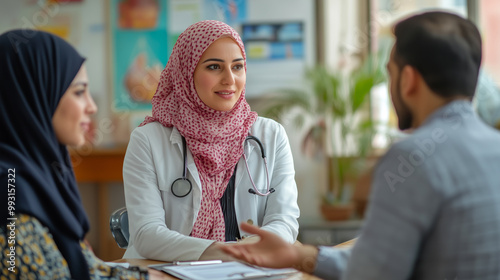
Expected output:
(182, 186)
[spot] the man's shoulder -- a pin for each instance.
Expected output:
(441, 154)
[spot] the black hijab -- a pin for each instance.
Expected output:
(36, 68)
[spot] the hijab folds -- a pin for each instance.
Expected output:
(215, 138)
(36, 69)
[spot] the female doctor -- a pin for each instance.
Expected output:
(196, 168)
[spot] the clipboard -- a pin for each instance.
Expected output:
(224, 271)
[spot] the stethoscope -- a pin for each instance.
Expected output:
(182, 186)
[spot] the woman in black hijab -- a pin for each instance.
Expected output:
(45, 105)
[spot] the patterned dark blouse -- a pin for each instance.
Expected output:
(37, 256)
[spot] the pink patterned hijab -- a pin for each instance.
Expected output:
(215, 138)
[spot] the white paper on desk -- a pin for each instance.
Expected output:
(224, 271)
(113, 264)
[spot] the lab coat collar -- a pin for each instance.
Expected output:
(176, 139)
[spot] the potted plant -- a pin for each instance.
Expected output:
(337, 104)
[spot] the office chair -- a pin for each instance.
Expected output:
(118, 223)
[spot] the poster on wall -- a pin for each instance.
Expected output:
(183, 13)
(232, 12)
(273, 41)
(140, 50)
(276, 57)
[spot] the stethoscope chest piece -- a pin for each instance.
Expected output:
(181, 187)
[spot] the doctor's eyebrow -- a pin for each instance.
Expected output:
(84, 84)
(221, 60)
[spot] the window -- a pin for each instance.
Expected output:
(383, 15)
(487, 100)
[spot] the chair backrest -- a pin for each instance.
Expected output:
(118, 224)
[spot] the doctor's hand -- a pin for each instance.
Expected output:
(157, 275)
(273, 251)
(249, 239)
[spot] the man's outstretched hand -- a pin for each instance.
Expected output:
(272, 251)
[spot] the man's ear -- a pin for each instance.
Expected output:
(409, 81)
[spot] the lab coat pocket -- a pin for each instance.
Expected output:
(179, 210)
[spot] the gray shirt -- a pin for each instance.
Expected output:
(434, 208)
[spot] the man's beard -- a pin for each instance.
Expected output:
(405, 116)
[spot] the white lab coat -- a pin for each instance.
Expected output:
(160, 223)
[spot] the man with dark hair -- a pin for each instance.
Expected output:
(434, 208)
(445, 49)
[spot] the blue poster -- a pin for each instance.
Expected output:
(232, 12)
(274, 41)
(140, 51)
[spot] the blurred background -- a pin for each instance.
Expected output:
(316, 66)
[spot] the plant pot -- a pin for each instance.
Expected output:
(362, 193)
(360, 208)
(338, 212)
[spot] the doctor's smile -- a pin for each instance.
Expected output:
(220, 77)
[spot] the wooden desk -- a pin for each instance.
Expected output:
(144, 263)
(346, 244)
(101, 166)
(321, 232)
(300, 276)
